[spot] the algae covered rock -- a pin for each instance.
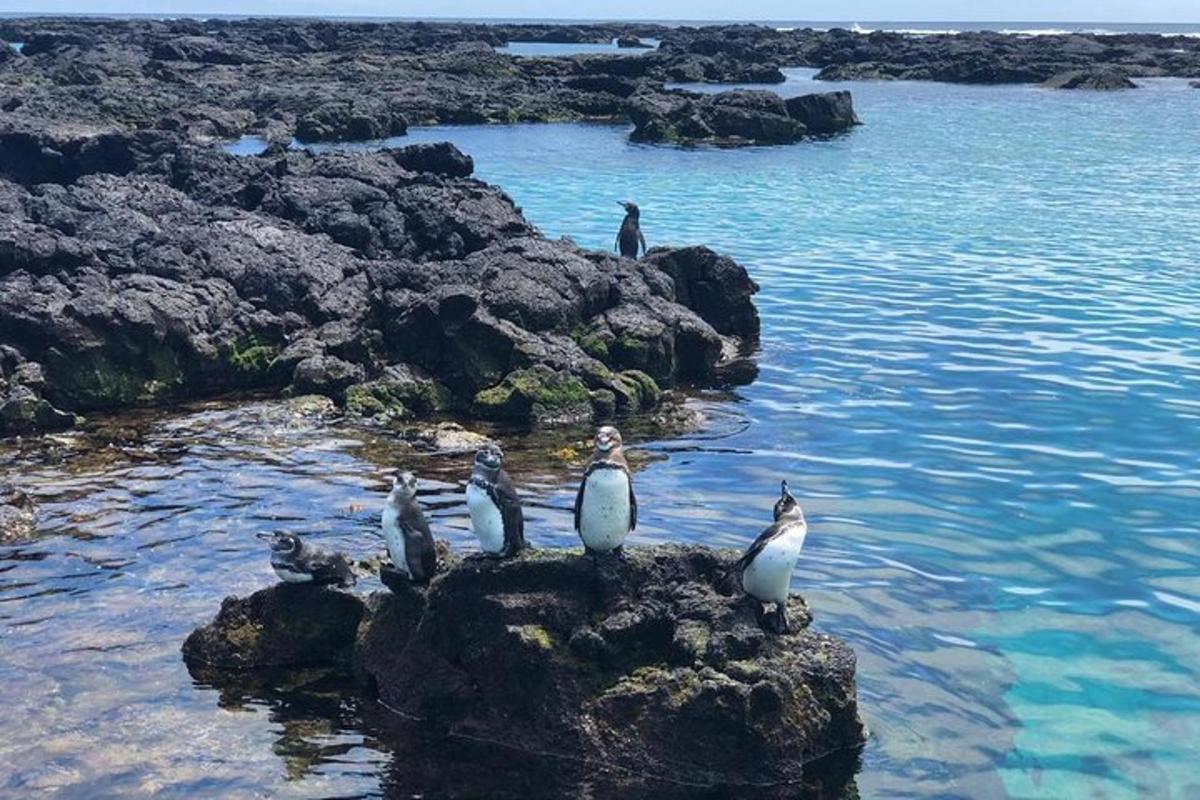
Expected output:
(539, 394)
(288, 625)
(637, 663)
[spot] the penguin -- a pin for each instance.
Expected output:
(630, 234)
(765, 571)
(605, 506)
(296, 562)
(495, 508)
(409, 542)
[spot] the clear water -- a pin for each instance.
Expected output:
(980, 371)
(547, 49)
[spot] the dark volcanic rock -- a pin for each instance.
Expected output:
(830, 112)
(639, 664)
(1100, 80)
(166, 270)
(738, 117)
(285, 625)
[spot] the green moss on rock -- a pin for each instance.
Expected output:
(537, 394)
(635, 391)
(398, 395)
(591, 341)
(98, 380)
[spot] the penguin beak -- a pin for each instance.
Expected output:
(263, 536)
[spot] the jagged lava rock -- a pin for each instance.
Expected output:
(737, 117)
(391, 281)
(639, 664)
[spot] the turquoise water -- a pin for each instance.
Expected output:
(981, 361)
(980, 371)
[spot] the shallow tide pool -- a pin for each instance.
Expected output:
(980, 372)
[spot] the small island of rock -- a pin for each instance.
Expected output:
(640, 663)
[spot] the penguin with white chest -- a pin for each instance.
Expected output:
(605, 505)
(494, 506)
(765, 571)
(296, 562)
(406, 532)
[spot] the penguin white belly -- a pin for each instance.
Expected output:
(769, 576)
(394, 537)
(604, 515)
(288, 574)
(486, 521)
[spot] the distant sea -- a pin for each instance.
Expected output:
(916, 27)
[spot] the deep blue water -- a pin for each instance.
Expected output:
(980, 371)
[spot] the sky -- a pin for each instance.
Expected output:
(1171, 11)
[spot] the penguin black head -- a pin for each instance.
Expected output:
(282, 543)
(630, 208)
(404, 485)
(608, 439)
(490, 457)
(786, 505)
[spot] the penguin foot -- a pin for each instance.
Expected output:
(779, 620)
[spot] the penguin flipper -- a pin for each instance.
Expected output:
(632, 503)
(418, 545)
(764, 538)
(579, 498)
(504, 495)
(642, 239)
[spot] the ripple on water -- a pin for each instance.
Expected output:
(980, 371)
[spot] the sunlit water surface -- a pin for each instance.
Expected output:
(980, 371)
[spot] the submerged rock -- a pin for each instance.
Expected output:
(1095, 79)
(638, 664)
(18, 514)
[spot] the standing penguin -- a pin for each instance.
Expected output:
(630, 235)
(765, 571)
(409, 542)
(296, 562)
(605, 506)
(495, 508)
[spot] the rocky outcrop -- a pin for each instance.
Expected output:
(1098, 80)
(738, 117)
(390, 281)
(639, 664)
(969, 57)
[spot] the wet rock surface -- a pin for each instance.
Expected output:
(1105, 80)
(18, 514)
(637, 664)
